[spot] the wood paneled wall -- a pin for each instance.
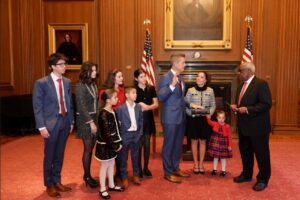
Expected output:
(116, 36)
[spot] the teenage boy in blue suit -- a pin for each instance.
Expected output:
(54, 116)
(131, 119)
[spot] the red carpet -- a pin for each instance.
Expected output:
(22, 177)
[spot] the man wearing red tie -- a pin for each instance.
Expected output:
(253, 104)
(54, 116)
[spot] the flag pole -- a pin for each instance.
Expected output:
(247, 53)
(248, 20)
(147, 22)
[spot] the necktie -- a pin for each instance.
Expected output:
(242, 93)
(61, 101)
(179, 82)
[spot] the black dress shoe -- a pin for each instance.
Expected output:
(147, 173)
(116, 189)
(241, 179)
(104, 194)
(259, 186)
(89, 181)
(223, 173)
(214, 172)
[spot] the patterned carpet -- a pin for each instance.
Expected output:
(21, 175)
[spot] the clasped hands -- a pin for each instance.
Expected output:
(195, 106)
(241, 110)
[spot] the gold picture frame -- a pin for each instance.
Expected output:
(71, 40)
(198, 24)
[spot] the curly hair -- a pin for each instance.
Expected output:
(85, 73)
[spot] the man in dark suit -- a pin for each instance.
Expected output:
(171, 94)
(253, 104)
(54, 116)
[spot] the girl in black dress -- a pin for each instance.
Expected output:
(108, 142)
(147, 98)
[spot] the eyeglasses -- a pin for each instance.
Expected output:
(62, 64)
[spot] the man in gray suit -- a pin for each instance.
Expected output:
(171, 94)
(54, 115)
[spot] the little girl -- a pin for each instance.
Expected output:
(108, 142)
(219, 146)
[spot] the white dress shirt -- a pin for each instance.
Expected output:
(131, 111)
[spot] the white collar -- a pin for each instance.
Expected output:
(249, 80)
(128, 104)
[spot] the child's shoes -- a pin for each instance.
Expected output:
(214, 172)
(223, 173)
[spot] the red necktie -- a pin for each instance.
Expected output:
(61, 101)
(242, 93)
(179, 82)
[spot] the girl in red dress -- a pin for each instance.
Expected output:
(220, 143)
(114, 81)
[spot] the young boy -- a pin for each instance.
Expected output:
(131, 119)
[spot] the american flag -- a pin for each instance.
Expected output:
(247, 54)
(147, 60)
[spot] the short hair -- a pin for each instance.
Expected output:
(175, 58)
(110, 79)
(219, 112)
(85, 72)
(54, 58)
(248, 65)
(128, 89)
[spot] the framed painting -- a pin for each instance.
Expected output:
(198, 24)
(70, 40)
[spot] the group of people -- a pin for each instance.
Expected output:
(115, 119)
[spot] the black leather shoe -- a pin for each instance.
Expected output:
(147, 173)
(259, 186)
(223, 173)
(89, 181)
(104, 195)
(241, 179)
(214, 172)
(116, 189)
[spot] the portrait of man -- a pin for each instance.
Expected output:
(198, 19)
(69, 44)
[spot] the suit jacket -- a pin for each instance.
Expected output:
(257, 98)
(124, 118)
(87, 107)
(46, 105)
(173, 101)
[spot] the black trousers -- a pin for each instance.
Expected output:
(257, 146)
(146, 144)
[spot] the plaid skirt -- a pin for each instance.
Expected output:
(218, 146)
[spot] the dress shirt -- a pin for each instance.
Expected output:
(55, 78)
(248, 83)
(131, 111)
